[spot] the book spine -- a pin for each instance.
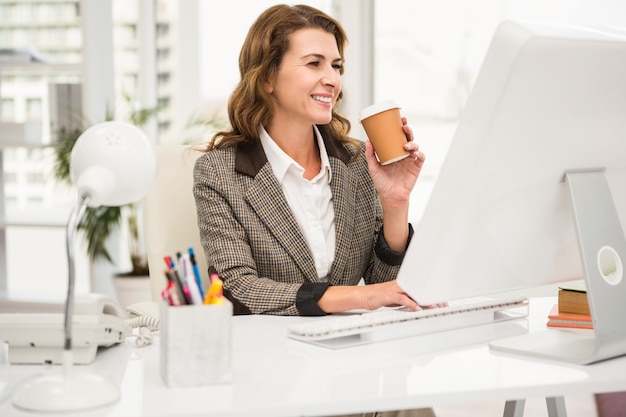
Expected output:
(570, 325)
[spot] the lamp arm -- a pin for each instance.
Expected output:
(72, 225)
(69, 390)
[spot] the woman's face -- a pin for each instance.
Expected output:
(308, 81)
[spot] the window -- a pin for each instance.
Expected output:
(163, 78)
(162, 29)
(45, 12)
(72, 38)
(6, 36)
(8, 110)
(129, 82)
(164, 126)
(427, 55)
(163, 54)
(164, 102)
(5, 11)
(23, 12)
(35, 178)
(33, 109)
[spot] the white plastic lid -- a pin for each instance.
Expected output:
(377, 108)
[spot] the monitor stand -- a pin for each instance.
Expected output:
(603, 253)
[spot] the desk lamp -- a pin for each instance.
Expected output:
(112, 164)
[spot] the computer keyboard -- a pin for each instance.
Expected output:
(345, 330)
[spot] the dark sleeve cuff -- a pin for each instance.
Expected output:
(386, 254)
(307, 297)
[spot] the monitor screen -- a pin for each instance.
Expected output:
(547, 100)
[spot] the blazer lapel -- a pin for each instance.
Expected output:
(265, 195)
(343, 187)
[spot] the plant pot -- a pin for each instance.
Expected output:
(132, 289)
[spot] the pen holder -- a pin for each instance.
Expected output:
(196, 344)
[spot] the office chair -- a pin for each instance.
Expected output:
(170, 217)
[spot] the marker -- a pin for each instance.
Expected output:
(190, 280)
(215, 293)
(174, 288)
(183, 288)
(180, 285)
(170, 292)
(168, 262)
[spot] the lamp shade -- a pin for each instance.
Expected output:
(112, 163)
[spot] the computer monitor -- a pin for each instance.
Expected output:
(548, 101)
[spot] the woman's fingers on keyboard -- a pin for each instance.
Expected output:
(388, 294)
(437, 305)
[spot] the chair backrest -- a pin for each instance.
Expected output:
(170, 217)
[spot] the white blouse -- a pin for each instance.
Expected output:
(311, 201)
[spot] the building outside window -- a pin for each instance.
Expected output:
(33, 109)
(8, 110)
(426, 56)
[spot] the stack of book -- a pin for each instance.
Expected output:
(572, 309)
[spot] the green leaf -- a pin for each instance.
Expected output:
(98, 223)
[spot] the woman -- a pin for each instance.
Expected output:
(292, 212)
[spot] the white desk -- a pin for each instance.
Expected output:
(275, 376)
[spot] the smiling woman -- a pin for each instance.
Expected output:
(291, 144)
(292, 212)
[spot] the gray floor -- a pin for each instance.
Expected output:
(576, 406)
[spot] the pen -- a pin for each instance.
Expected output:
(196, 271)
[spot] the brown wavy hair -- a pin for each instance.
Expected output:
(250, 105)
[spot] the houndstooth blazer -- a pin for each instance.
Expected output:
(251, 237)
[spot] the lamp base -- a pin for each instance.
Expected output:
(70, 390)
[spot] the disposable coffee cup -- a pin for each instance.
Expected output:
(383, 124)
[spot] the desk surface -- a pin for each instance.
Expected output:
(274, 376)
